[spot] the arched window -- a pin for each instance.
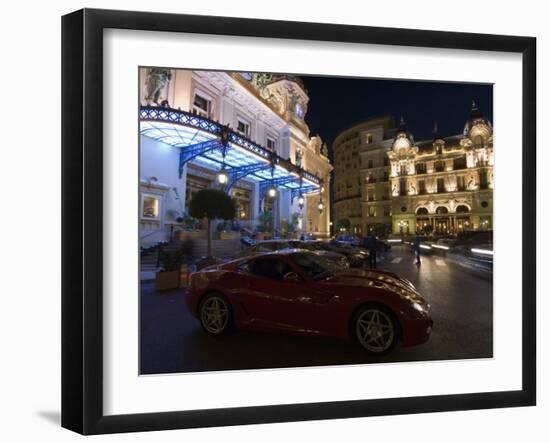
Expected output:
(462, 209)
(441, 210)
(422, 211)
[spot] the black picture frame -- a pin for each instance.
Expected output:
(82, 188)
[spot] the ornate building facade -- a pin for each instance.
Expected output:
(361, 183)
(443, 185)
(194, 124)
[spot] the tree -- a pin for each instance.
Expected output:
(342, 224)
(211, 204)
(379, 230)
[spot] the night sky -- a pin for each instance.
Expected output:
(338, 103)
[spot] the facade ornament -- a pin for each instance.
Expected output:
(298, 157)
(157, 79)
(260, 82)
(324, 149)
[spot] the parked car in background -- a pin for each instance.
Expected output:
(350, 240)
(357, 257)
(278, 245)
(299, 292)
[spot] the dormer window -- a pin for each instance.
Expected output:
(243, 128)
(271, 145)
(202, 106)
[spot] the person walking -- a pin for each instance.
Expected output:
(416, 249)
(372, 246)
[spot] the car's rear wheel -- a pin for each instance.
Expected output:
(375, 329)
(215, 314)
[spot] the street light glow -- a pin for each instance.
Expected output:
(272, 192)
(446, 248)
(482, 251)
(222, 177)
(425, 247)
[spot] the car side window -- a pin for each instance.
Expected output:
(272, 268)
(244, 267)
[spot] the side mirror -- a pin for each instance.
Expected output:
(292, 277)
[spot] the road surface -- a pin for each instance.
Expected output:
(171, 340)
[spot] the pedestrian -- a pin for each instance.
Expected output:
(416, 249)
(372, 245)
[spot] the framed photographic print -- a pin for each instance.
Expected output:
(270, 221)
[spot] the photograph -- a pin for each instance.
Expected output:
(293, 220)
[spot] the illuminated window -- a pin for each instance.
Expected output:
(202, 105)
(368, 139)
(150, 207)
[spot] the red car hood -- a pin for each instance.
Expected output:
(373, 278)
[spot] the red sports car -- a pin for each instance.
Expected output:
(299, 292)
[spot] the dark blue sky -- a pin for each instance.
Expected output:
(337, 103)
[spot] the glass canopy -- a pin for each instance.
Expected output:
(214, 145)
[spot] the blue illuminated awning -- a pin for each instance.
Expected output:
(214, 145)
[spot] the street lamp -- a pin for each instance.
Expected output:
(222, 176)
(320, 206)
(272, 192)
(301, 201)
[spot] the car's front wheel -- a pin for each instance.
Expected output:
(215, 314)
(375, 329)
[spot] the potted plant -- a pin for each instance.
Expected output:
(169, 275)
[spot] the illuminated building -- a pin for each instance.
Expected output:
(240, 132)
(443, 185)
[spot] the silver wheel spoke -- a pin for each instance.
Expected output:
(375, 330)
(215, 315)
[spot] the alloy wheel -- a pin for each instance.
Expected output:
(215, 314)
(375, 330)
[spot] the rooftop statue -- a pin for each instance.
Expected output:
(157, 79)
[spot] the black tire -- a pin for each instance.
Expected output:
(382, 334)
(215, 314)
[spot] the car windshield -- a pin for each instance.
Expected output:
(317, 267)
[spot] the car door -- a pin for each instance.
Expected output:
(280, 304)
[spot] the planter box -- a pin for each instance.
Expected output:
(166, 280)
(182, 235)
(229, 235)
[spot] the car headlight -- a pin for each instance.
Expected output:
(413, 302)
(417, 306)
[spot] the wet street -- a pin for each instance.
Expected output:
(462, 309)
